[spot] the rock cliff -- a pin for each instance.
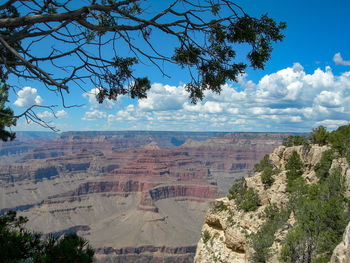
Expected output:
(226, 230)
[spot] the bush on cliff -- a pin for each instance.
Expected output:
(295, 140)
(262, 240)
(295, 169)
(17, 244)
(319, 136)
(267, 170)
(321, 217)
(322, 168)
(246, 198)
(265, 162)
(340, 141)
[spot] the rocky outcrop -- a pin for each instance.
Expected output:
(341, 253)
(225, 230)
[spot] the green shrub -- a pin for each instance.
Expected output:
(268, 170)
(321, 217)
(262, 241)
(293, 246)
(322, 168)
(245, 198)
(249, 201)
(237, 189)
(267, 176)
(205, 236)
(295, 140)
(265, 162)
(218, 206)
(340, 140)
(294, 167)
(319, 136)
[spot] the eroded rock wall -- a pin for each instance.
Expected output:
(224, 233)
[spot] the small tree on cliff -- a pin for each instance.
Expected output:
(319, 135)
(203, 34)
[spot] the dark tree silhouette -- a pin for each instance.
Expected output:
(17, 244)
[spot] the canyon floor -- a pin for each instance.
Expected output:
(135, 196)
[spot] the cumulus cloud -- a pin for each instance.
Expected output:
(27, 97)
(332, 124)
(61, 114)
(338, 60)
(94, 115)
(163, 98)
(289, 99)
(329, 99)
(94, 104)
(45, 115)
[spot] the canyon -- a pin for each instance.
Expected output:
(136, 196)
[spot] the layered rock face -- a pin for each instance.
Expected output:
(225, 231)
(133, 204)
(24, 143)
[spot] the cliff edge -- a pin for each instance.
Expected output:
(269, 230)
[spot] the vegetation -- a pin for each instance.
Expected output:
(340, 141)
(218, 206)
(321, 210)
(268, 170)
(245, 197)
(92, 34)
(267, 176)
(322, 168)
(265, 162)
(319, 136)
(262, 241)
(205, 236)
(17, 244)
(295, 140)
(237, 189)
(6, 115)
(295, 169)
(320, 214)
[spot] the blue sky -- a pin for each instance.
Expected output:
(305, 84)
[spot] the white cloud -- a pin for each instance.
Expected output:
(287, 100)
(331, 124)
(213, 107)
(94, 115)
(163, 98)
(45, 115)
(94, 104)
(61, 114)
(329, 99)
(27, 97)
(338, 60)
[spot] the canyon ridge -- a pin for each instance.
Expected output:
(136, 196)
